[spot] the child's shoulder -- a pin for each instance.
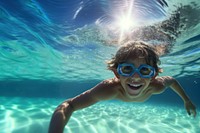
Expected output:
(159, 84)
(164, 80)
(107, 89)
(110, 84)
(111, 81)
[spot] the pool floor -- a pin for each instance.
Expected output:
(32, 115)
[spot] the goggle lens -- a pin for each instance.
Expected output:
(145, 70)
(127, 69)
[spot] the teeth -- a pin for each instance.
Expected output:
(135, 85)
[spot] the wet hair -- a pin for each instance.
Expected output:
(133, 50)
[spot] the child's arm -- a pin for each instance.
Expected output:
(174, 84)
(60, 117)
(63, 112)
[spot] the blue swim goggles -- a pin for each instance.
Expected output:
(144, 70)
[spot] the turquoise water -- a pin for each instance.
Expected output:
(55, 50)
(110, 117)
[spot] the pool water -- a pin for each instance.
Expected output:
(54, 50)
(32, 115)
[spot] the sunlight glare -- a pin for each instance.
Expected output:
(125, 23)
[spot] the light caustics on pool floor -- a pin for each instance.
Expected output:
(31, 115)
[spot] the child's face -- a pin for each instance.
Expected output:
(135, 85)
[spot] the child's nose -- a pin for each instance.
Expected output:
(135, 75)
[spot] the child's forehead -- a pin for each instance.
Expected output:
(138, 58)
(137, 55)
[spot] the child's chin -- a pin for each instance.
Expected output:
(134, 93)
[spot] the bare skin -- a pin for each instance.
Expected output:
(128, 89)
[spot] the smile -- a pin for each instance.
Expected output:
(135, 86)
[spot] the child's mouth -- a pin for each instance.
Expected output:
(135, 86)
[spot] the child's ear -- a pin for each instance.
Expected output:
(116, 73)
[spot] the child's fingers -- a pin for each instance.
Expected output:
(188, 111)
(194, 112)
(191, 112)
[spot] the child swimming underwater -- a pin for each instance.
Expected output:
(135, 66)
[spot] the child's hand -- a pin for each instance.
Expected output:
(191, 109)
